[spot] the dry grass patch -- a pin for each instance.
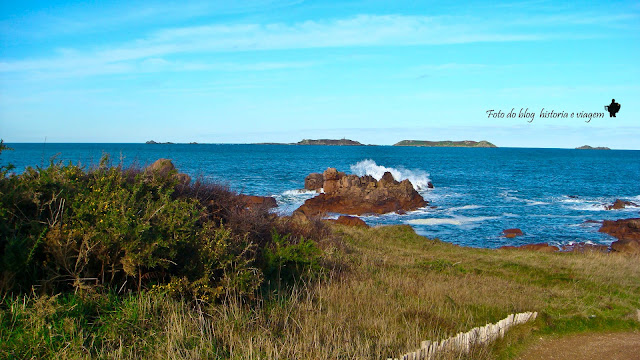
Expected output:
(394, 290)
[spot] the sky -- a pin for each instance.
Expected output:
(280, 71)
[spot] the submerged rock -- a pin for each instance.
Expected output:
(511, 233)
(351, 194)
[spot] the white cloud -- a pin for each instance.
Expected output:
(357, 31)
(362, 30)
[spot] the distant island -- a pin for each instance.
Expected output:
(154, 142)
(341, 142)
(587, 147)
(447, 143)
(168, 142)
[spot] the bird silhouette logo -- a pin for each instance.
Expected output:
(612, 108)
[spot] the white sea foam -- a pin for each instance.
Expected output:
(465, 207)
(506, 194)
(289, 200)
(457, 220)
(597, 204)
(418, 178)
(534, 202)
(298, 192)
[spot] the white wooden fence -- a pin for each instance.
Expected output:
(464, 341)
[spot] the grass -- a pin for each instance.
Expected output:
(392, 290)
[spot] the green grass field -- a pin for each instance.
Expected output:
(389, 290)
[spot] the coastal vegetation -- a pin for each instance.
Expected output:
(447, 143)
(115, 262)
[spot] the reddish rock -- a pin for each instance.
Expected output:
(298, 216)
(511, 233)
(350, 194)
(620, 204)
(331, 174)
(254, 201)
(313, 181)
(626, 246)
(584, 247)
(350, 221)
(543, 247)
(627, 231)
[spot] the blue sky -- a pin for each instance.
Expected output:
(279, 71)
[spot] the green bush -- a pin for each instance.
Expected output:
(287, 261)
(64, 228)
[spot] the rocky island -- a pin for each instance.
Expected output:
(341, 142)
(155, 142)
(587, 147)
(446, 143)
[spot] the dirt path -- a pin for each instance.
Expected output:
(609, 346)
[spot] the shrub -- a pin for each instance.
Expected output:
(287, 260)
(65, 228)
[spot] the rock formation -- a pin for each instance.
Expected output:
(582, 247)
(543, 247)
(350, 194)
(627, 231)
(256, 201)
(446, 143)
(164, 167)
(587, 147)
(511, 233)
(620, 204)
(350, 221)
(340, 142)
(313, 181)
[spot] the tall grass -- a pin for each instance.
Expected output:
(395, 290)
(116, 262)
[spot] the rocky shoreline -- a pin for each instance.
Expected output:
(362, 195)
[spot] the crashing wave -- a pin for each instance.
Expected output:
(418, 178)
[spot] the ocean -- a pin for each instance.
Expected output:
(550, 194)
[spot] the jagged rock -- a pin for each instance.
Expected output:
(619, 204)
(627, 231)
(350, 194)
(313, 181)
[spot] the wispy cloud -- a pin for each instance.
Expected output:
(357, 31)
(363, 30)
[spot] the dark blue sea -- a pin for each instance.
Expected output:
(548, 193)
